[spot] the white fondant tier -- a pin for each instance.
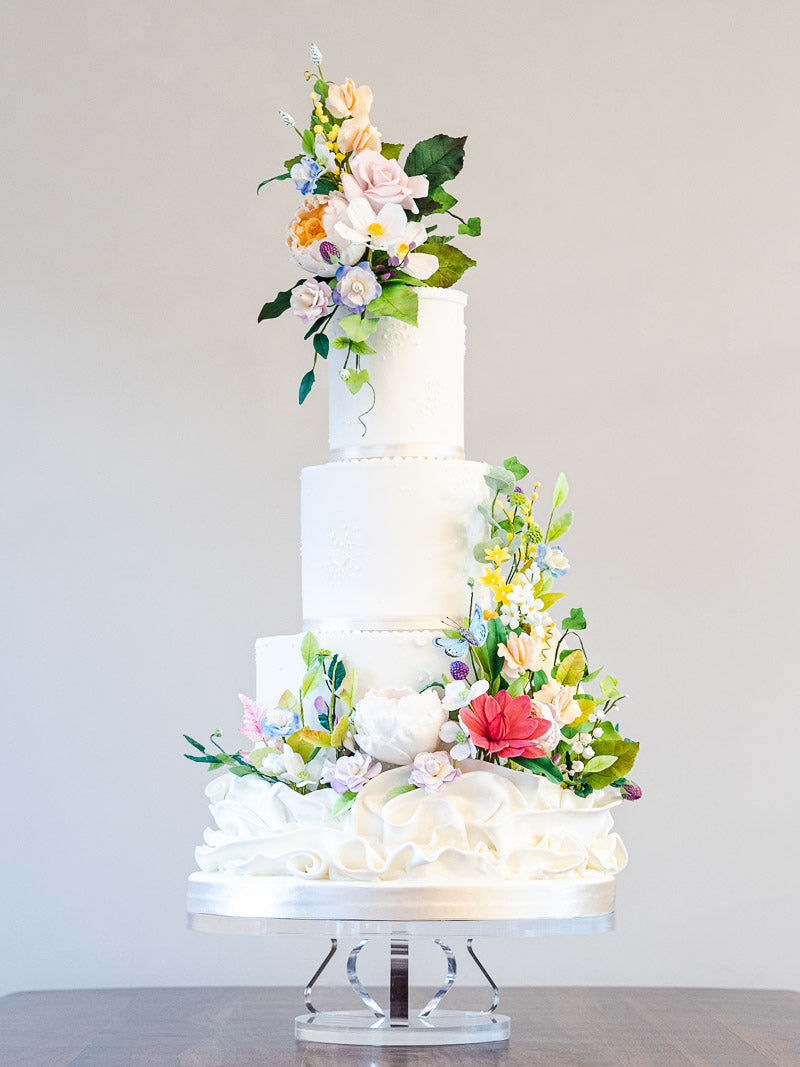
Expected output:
(490, 825)
(418, 376)
(387, 543)
(389, 659)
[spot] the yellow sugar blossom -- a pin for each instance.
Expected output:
(318, 129)
(497, 554)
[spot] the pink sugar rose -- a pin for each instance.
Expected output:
(382, 181)
(505, 725)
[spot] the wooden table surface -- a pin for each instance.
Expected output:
(569, 1027)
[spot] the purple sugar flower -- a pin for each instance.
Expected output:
(459, 670)
(630, 791)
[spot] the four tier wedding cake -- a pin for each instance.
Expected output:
(432, 726)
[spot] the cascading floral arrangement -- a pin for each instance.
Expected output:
(516, 692)
(361, 232)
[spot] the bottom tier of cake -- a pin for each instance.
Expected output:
(491, 825)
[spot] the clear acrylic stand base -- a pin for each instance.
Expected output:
(392, 914)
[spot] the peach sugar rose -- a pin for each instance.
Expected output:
(344, 100)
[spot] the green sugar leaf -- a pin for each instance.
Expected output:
(306, 382)
(440, 158)
(559, 526)
(444, 199)
(322, 345)
(599, 763)
(391, 151)
(452, 264)
(343, 803)
(399, 790)
(398, 300)
(321, 88)
(543, 766)
(356, 379)
(356, 328)
(624, 753)
(519, 470)
(575, 621)
(472, 227)
(277, 178)
(273, 308)
(571, 669)
(309, 647)
(500, 480)
(560, 490)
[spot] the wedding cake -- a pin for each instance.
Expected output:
(432, 727)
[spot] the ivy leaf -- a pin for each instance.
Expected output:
(358, 329)
(289, 163)
(440, 158)
(452, 264)
(391, 151)
(322, 345)
(539, 680)
(306, 382)
(398, 300)
(277, 178)
(273, 308)
(575, 621)
(321, 88)
(543, 766)
(472, 227)
(559, 526)
(309, 647)
(519, 470)
(356, 379)
(341, 342)
(608, 687)
(560, 490)
(571, 669)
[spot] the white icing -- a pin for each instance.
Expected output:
(390, 538)
(491, 824)
(394, 659)
(418, 376)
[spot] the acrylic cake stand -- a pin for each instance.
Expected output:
(366, 912)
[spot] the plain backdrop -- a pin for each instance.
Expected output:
(634, 320)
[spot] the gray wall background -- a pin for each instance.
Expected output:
(637, 168)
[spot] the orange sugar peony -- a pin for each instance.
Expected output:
(505, 725)
(307, 225)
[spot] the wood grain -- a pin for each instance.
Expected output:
(566, 1027)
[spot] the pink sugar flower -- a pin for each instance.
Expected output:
(505, 725)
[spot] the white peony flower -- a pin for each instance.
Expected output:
(313, 230)
(432, 771)
(457, 695)
(394, 725)
(457, 735)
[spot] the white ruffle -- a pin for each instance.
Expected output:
(491, 824)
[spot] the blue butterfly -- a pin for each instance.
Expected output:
(476, 635)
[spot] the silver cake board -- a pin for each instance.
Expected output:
(399, 913)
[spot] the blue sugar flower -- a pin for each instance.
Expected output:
(550, 558)
(305, 173)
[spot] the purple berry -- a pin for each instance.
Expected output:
(329, 251)
(630, 791)
(459, 670)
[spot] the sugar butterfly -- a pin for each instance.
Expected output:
(476, 635)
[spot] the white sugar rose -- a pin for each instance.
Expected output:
(309, 301)
(382, 181)
(395, 725)
(432, 771)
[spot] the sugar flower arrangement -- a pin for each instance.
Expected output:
(517, 690)
(364, 232)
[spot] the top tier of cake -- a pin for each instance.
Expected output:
(418, 376)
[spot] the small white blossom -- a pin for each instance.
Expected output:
(597, 733)
(457, 695)
(286, 118)
(578, 765)
(577, 747)
(588, 752)
(316, 55)
(457, 734)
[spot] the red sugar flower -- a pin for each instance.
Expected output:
(504, 725)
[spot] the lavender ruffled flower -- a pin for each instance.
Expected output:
(356, 287)
(309, 301)
(305, 173)
(351, 773)
(551, 558)
(432, 771)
